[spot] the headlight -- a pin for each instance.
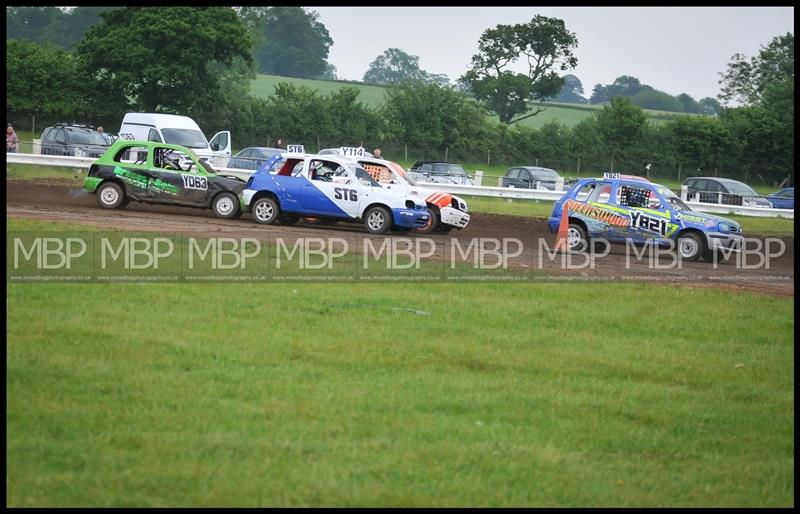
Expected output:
(724, 227)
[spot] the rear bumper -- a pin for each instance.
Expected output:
(91, 183)
(246, 196)
(454, 217)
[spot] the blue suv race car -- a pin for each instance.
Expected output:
(616, 210)
(329, 187)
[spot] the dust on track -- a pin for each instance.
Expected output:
(71, 204)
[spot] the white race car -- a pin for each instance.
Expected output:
(447, 211)
(330, 187)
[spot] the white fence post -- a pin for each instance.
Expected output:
(37, 147)
(478, 177)
(684, 193)
(560, 184)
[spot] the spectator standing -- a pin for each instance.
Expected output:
(279, 144)
(103, 134)
(377, 153)
(11, 139)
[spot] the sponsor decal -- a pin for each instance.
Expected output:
(131, 177)
(598, 214)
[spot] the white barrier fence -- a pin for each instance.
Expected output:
(491, 192)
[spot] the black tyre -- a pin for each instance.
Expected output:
(378, 220)
(288, 219)
(226, 205)
(690, 246)
(266, 210)
(577, 238)
(433, 222)
(110, 195)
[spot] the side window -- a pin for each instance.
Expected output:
(513, 173)
(132, 155)
(601, 193)
(153, 136)
(60, 137)
(379, 173)
(526, 175)
(632, 196)
(699, 185)
(426, 167)
(583, 193)
(327, 171)
(248, 154)
(47, 135)
(172, 160)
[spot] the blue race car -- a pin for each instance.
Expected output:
(783, 199)
(332, 188)
(616, 210)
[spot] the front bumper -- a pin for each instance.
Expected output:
(454, 217)
(723, 241)
(410, 218)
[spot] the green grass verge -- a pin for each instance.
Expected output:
(297, 395)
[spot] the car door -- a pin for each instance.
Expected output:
(186, 186)
(650, 216)
(221, 143)
(331, 190)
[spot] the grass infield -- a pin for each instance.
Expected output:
(405, 394)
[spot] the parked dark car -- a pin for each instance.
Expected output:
(440, 172)
(783, 199)
(253, 157)
(728, 191)
(73, 139)
(530, 177)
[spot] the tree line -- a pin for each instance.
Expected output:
(206, 62)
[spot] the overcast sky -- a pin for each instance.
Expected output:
(674, 49)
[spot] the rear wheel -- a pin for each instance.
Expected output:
(110, 195)
(225, 205)
(378, 220)
(265, 210)
(690, 246)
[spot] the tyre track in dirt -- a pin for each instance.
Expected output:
(73, 205)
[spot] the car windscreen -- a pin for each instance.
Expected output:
(449, 169)
(185, 137)
(677, 203)
(544, 174)
(86, 137)
(739, 188)
(397, 169)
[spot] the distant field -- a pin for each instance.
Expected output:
(264, 86)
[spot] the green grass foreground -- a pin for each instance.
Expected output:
(409, 395)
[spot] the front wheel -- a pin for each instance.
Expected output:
(690, 246)
(265, 210)
(110, 196)
(433, 221)
(378, 220)
(226, 205)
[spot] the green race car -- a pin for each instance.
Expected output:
(161, 173)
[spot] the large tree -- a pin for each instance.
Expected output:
(572, 91)
(294, 43)
(61, 26)
(392, 67)
(546, 46)
(745, 80)
(621, 126)
(157, 58)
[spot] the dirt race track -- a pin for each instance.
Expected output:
(73, 205)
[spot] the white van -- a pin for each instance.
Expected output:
(177, 130)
